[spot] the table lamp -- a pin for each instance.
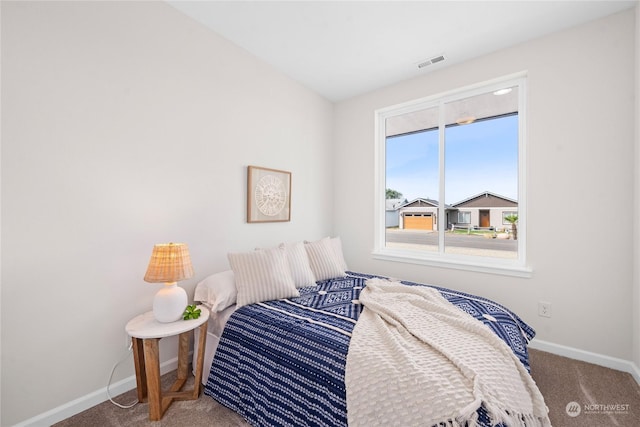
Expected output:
(170, 263)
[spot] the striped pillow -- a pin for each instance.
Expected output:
(323, 260)
(299, 264)
(336, 243)
(262, 275)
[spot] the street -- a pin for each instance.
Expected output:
(420, 237)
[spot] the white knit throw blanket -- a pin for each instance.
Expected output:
(417, 360)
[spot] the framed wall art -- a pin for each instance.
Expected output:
(268, 195)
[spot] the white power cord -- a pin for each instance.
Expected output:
(131, 405)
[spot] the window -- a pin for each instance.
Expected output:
(464, 217)
(460, 156)
(508, 214)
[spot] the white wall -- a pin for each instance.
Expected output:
(127, 124)
(636, 216)
(580, 168)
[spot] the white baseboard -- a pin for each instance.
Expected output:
(83, 403)
(587, 356)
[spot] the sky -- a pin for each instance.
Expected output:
(481, 156)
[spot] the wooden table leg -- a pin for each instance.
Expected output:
(202, 339)
(141, 375)
(154, 391)
(183, 355)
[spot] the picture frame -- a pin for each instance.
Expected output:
(268, 195)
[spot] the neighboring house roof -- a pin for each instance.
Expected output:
(421, 202)
(393, 204)
(486, 199)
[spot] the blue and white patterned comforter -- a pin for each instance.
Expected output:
(282, 363)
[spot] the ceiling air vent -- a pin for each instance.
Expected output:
(430, 61)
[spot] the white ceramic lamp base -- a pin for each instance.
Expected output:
(169, 303)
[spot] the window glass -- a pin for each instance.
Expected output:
(464, 217)
(413, 175)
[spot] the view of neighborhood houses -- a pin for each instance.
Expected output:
(480, 187)
(481, 225)
(482, 212)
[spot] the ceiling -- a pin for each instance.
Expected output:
(341, 49)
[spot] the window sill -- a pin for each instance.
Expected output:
(480, 265)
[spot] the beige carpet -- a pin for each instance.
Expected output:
(602, 396)
(194, 413)
(605, 397)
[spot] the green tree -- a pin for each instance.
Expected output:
(393, 194)
(512, 219)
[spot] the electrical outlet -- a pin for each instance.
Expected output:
(544, 309)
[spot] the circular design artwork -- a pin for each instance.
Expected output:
(270, 195)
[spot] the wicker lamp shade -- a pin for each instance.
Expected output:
(170, 262)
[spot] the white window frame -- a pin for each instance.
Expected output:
(511, 267)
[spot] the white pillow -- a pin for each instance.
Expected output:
(336, 243)
(218, 291)
(262, 275)
(299, 264)
(323, 260)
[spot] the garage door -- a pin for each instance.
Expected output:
(418, 222)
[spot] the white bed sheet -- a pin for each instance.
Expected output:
(215, 326)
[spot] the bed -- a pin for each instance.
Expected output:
(283, 361)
